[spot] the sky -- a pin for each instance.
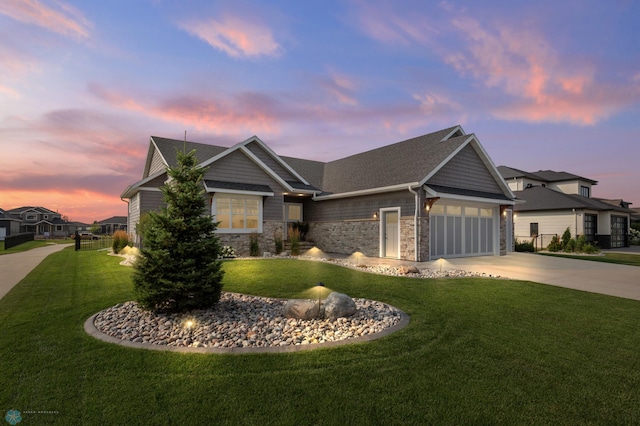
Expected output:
(84, 84)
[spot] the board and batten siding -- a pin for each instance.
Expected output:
(355, 208)
(270, 162)
(237, 167)
(466, 170)
(548, 223)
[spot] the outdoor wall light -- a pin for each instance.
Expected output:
(375, 215)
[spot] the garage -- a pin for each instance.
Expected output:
(463, 230)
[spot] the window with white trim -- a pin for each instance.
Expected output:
(237, 213)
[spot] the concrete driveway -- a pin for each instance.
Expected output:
(595, 277)
(14, 267)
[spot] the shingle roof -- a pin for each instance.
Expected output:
(403, 162)
(541, 175)
(122, 220)
(542, 198)
(553, 176)
(169, 147)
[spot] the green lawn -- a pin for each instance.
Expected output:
(477, 351)
(618, 258)
(31, 245)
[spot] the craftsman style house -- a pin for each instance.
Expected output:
(555, 201)
(41, 221)
(437, 195)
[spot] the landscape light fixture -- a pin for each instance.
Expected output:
(319, 286)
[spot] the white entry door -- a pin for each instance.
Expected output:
(3, 233)
(390, 233)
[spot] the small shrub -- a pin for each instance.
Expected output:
(227, 252)
(524, 246)
(590, 249)
(279, 243)
(302, 228)
(294, 239)
(634, 237)
(254, 245)
(581, 241)
(570, 246)
(554, 245)
(566, 237)
(120, 241)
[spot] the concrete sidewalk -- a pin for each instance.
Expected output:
(14, 267)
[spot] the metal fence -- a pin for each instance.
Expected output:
(99, 242)
(17, 239)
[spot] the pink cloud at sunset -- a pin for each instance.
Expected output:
(66, 21)
(235, 36)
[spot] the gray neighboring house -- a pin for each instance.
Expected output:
(437, 195)
(41, 221)
(555, 201)
(113, 224)
(9, 224)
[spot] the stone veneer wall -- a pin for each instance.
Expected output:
(407, 246)
(241, 242)
(423, 232)
(346, 237)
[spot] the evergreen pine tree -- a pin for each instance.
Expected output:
(178, 269)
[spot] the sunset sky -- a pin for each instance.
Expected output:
(83, 84)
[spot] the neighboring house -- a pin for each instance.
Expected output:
(437, 195)
(78, 227)
(41, 221)
(555, 201)
(9, 224)
(113, 224)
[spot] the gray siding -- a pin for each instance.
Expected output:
(156, 163)
(358, 207)
(236, 167)
(270, 162)
(150, 200)
(466, 170)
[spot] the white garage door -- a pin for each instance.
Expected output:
(3, 233)
(458, 231)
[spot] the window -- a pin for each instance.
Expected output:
(237, 213)
(590, 227)
(585, 191)
(533, 230)
(293, 212)
(32, 217)
(58, 227)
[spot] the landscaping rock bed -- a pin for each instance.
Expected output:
(241, 321)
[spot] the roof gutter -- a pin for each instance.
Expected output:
(362, 192)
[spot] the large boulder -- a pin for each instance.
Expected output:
(301, 309)
(339, 305)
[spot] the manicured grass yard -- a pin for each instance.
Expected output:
(618, 258)
(477, 351)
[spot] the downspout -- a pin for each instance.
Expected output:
(415, 224)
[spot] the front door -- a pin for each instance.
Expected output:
(390, 233)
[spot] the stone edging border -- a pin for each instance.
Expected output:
(90, 328)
